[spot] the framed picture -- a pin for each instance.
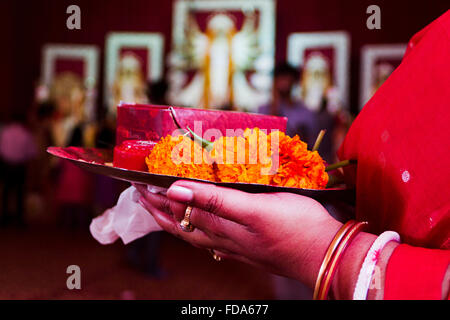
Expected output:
(132, 60)
(323, 62)
(223, 53)
(78, 59)
(377, 63)
(71, 74)
(65, 64)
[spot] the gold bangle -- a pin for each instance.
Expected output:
(332, 267)
(329, 254)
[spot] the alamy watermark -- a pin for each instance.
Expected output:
(74, 280)
(260, 148)
(73, 22)
(374, 20)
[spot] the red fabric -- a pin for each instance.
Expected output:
(426, 266)
(401, 142)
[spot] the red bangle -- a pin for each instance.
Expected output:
(337, 255)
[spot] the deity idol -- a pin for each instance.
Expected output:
(129, 83)
(316, 80)
(220, 56)
(69, 94)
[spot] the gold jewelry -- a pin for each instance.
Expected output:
(329, 254)
(332, 267)
(185, 224)
(215, 256)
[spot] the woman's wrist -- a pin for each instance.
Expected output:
(312, 257)
(346, 276)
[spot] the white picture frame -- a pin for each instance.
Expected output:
(262, 79)
(298, 42)
(88, 53)
(153, 41)
(265, 7)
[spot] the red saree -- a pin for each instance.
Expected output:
(401, 140)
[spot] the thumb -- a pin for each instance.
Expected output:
(227, 203)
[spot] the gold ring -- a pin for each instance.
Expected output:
(185, 224)
(215, 256)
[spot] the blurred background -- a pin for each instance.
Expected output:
(67, 65)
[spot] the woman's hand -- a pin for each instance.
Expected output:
(284, 233)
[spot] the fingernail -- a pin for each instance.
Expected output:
(181, 194)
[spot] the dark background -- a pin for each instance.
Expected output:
(28, 25)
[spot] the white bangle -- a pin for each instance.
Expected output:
(368, 266)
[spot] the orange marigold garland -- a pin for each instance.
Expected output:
(180, 156)
(255, 157)
(298, 167)
(243, 159)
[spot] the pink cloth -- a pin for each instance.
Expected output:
(128, 220)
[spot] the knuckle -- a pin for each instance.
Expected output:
(165, 206)
(214, 204)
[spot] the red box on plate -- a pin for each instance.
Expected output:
(151, 122)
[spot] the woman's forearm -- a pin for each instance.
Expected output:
(347, 273)
(345, 279)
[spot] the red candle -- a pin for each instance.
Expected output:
(131, 154)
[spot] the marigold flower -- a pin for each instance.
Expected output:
(255, 157)
(180, 156)
(298, 166)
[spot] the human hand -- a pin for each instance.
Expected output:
(283, 233)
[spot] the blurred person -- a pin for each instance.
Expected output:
(157, 92)
(17, 149)
(143, 253)
(301, 121)
(336, 122)
(42, 130)
(70, 127)
(68, 94)
(326, 121)
(41, 175)
(74, 193)
(107, 189)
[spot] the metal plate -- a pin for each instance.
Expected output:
(99, 161)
